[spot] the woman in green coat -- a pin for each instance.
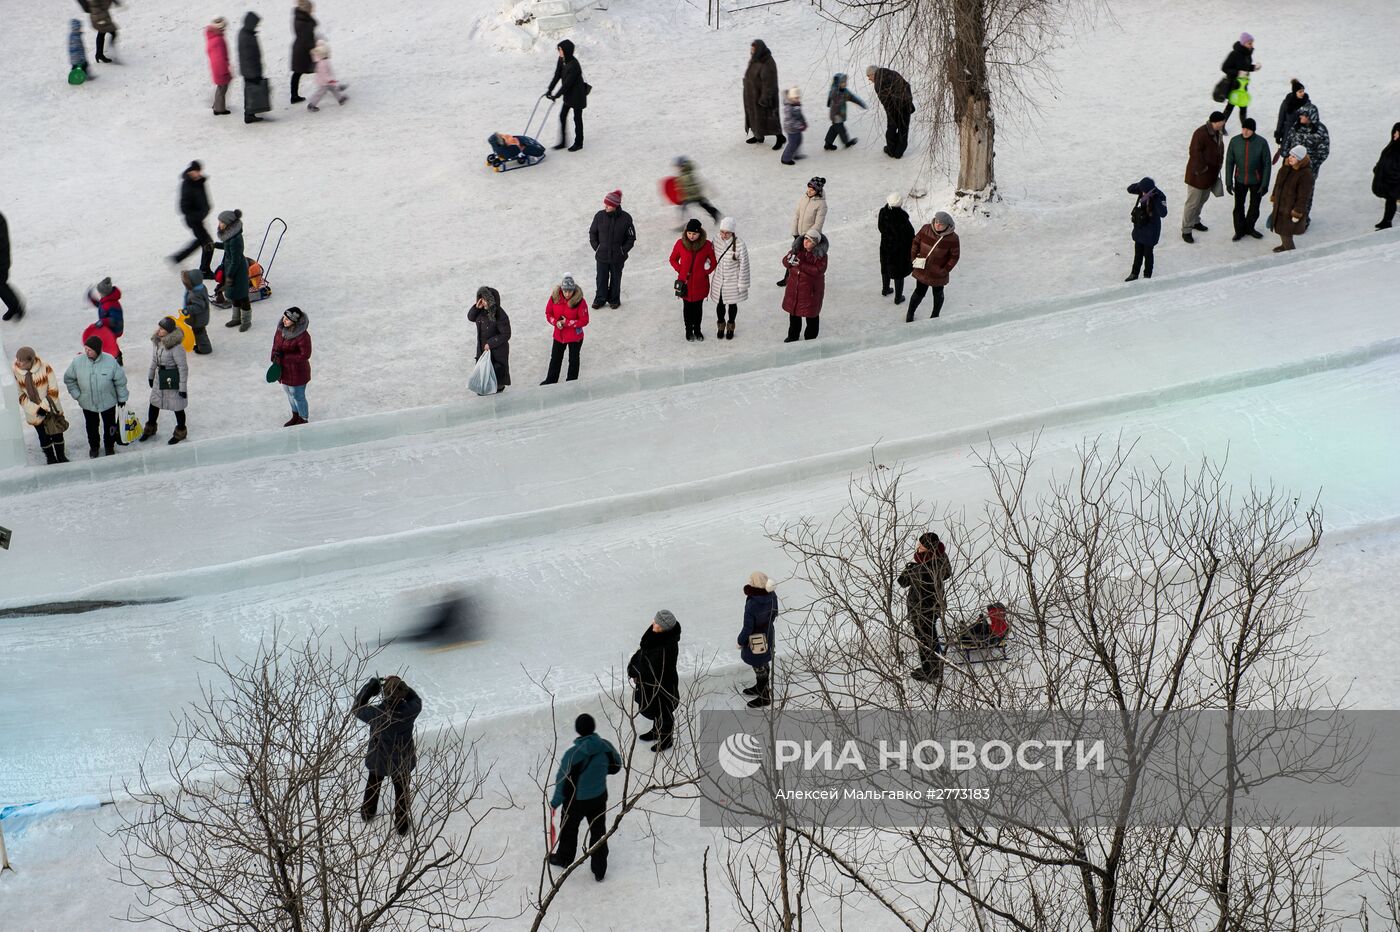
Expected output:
(235, 268)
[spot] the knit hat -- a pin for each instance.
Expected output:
(1299, 152)
(104, 287)
(727, 225)
(944, 218)
(814, 235)
(294, 314)
(167, 324)
(585, 725)
(305, 5)
(929, 540)
(94, 343)
(1246, 38)
(1249, 124)
(568, 284)
(614, 198)
(228, 216)
(25, 355)
(759, 580)
(894, 200)
(1296, 84)
(1216, 117)
(567, 46)
(817, 184)
(666, 620)
(693, 226)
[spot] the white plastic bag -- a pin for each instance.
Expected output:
(483, 377)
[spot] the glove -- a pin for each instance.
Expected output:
(183, 395)
(151, 383)
(374, 685)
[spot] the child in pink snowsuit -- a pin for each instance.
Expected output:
(325, 78)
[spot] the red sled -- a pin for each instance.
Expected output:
(987, 636)
(671, 190)
(108, 338)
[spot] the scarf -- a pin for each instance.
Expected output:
(30, 388)
(924, 557)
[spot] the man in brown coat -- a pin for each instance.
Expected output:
(1203, 172)
(1292, 197)
(934, 253)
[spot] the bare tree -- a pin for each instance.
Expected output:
(252, 822)
(1384, 879)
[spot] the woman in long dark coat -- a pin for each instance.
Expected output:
(492, 333)
(1385, 178)
(896, 241)
(761, 100)
(304, 28)
(652, 670)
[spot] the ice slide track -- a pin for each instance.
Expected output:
(459, 536)
(388, 425)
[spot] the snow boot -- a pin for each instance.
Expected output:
(781, 141)
(729, 330)
(233, 321)
(1186, 237)
(246, 320)
(719, 331)
(59, 456)
(148, 433)
(180, 434)
(649, 736)
(49, 454)
(663, 745)
(1200, 227)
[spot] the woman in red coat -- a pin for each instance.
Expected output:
(806, 285)
(217, 50)
(693, 258)
(291, 349)
(567, 314)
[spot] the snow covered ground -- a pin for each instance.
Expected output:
(575, 511)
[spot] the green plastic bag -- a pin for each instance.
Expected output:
(77, 76)
(1239, 97)
(274, 372)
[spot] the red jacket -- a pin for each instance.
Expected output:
(693, 263)
(806, 281)
(573, 315)
(217, 48)
(295, 356)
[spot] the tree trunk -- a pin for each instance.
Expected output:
(976, 136)
(972, 99)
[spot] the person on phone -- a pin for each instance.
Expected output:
(581, 790)
(390, 752)
(756, 636)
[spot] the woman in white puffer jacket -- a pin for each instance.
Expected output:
(729, 283)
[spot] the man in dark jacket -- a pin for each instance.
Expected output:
(1247, 167)
(568, 74)
(14, 308)
(1241, 58)
(761, 117)
(926, 601)
(581, 789)
(611, 235)
(652, 670)
(390, 752)
(194, 207)
(897, 98)
(250, 67)
(1203, 163)
(304, 39)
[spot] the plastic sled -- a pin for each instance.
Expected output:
(183, 323)
(258, 285)
(671, 190)
(496, 163)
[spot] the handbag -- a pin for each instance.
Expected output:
(257, 96)
(168, 378)
(55, 424)
(758, 644)
(922, 261)
(680, 289)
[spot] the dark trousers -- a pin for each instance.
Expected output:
(563, 124)
(556, 359)
(51, 445)
(1387, 217)
(8, 296)
(609, 289)
(720, 308)
(896, 132)
(201, 242)
(795, 327)
(705, 205)
(930, 647)
(1246, 219)
(692, 311)
(1230, 108)
(898, 283)
(153, 415)
(104, 435)
(296, 84)
(1142, 259)
(102, 43)
(920, 289)
(402, 802)
(837, 131)
(594, 810)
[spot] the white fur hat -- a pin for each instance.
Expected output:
(322, 50)
(794, 93)
(727, 225)
(894, 200)
(759, 580)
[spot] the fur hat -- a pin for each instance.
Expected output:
(167, 324)
(1299, 152)
(219, 23)
(794, 94)
(1246, 38)
(894, 200)
(294, 314)
(666, 620)
(94, 343)
(759, 580)
(104, 287)
(568, 284)
(693, 226)
(614, 198)
(306, 5)
(727, 225)
(585, 725)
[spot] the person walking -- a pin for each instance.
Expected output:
(196, 309)
(896, 247)
(1206, 155)
(932, 256)
(761, 117)
(77, 51)
(573, 90)
(612, 235)
(925, 577)
(291, 351)
(38, 399)
(794, 124)
(1148, 211)
(303, 41)
(1237, 67)
(216, 47)
(810, 215)
(836, 100)
(806, 286)
(326, 81)
(169, 378)
(655, 682)
(1292, 198)
(730, 282)
(235, 284)
(756, 637)
(194, 207)
(581, 791)
(100, 12)
(567, 314)
(250, 67)
(1247, 170)
(98, 384)
(492, 333)
(107, 298)
(1385, 178)
(690, 190)
(390, 751)
(1311, 133)
(14, 307)
(1288, 110)
(693, 258)
(897, 97)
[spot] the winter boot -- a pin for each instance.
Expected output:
(49, 454)
(149, 432)
(59, 455)
(909, 318)
(296, 419)
(252, 118)
(234, 320)
(781, 141)
(663, 745)
(93, 452)
(313, 108)
(649, 736)
(719, 331)
(729, 330)
(246, 321)
(18, 312)
(1200, 227)
(180, 434)
(1186, 237)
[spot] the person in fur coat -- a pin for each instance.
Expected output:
(652, 671)
(168, 378)
(806, 286)
(730, 282)
(291, 349)
(896, 247)
(38, 395)
(756, 636)
(325, 78)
